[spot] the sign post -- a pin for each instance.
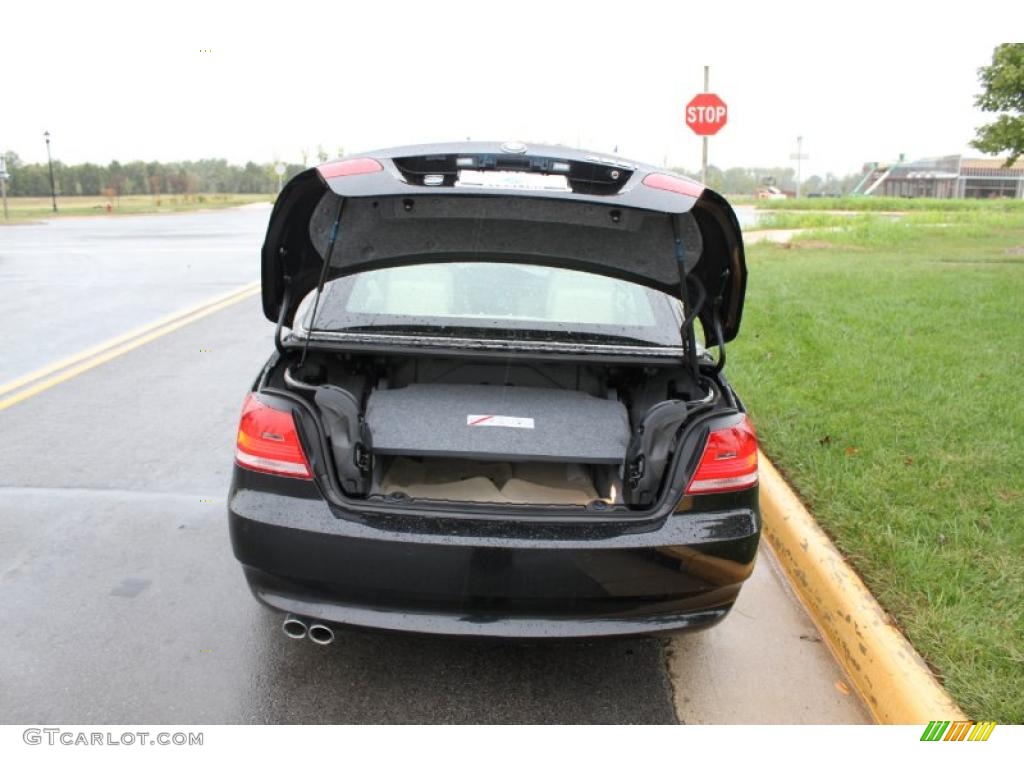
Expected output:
(706, 114)
(280, 169)
(799, 156)
(704, 139)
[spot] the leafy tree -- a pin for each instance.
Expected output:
(13, 161)
(117, 179)
(812, 185)
(217, 176)
(90, 179)
(1003, 82)
(740, 181)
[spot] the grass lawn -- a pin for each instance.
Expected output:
(22, 209)
(883, 364)
(872, 203)
(801, 219)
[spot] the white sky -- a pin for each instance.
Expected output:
(860, 81)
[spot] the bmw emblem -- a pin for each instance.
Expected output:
(514, 147)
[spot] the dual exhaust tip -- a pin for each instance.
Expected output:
(296, 628)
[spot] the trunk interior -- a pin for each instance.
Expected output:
(455, 479)
(507, 433)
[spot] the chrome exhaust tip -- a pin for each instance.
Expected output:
(294, 627)
(321, 634)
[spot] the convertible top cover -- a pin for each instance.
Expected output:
(489, 423)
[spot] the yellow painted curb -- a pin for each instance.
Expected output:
(890, 676)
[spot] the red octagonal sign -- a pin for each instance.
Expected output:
(706, 114)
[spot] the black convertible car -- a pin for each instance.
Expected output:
(488, 412)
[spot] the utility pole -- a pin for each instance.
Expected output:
(799, 156)
(704, 154)
(53, 188)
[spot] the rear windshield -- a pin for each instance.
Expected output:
(494, 299)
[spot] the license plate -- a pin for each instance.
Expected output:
(512, 180)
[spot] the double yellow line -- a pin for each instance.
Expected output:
(42, 379)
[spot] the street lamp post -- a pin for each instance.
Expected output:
(53, 188)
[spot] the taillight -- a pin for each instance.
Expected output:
(268, 441)
(676, 184)
(729, 462)
(351, 167)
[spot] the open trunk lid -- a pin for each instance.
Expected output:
(488, 202)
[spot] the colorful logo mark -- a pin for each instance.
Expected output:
(961, 730)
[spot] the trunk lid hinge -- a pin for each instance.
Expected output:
(286, 303)
(716, 322)
(690, 312)
(323, 279)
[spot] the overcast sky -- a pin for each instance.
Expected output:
(121, 82)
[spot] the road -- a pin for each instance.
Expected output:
(80, 281)
(122, 601)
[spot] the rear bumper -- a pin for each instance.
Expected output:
(301, 559)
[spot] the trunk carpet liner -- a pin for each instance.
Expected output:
(494, 482)
(497, 423)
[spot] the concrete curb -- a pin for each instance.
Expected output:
(890, 676)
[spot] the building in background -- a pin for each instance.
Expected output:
(943, 177)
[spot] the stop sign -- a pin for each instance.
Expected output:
(706, 114)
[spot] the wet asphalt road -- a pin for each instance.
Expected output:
(72, 283)
(122, 602)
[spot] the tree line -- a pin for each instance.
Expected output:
(143, 178)
(747, 181)
(218, 176)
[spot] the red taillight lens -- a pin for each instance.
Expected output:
(352, 167)
(729, 462)
(675, 184)
(268, 442)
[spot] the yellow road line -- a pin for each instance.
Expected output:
(68, 368)
(52, 368)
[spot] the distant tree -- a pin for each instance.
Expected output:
(29, 181)
(739, 181)
(13, 161)
(746, 181)
(1003, 82)
(716, 177)
(137, 178)
(812, 185)
(65, 179)
(89, 179)
(257, 178)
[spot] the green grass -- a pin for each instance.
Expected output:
(872, 203)
(22, 209)
(883, 364)
(798, 220)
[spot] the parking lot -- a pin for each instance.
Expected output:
(123, 602)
